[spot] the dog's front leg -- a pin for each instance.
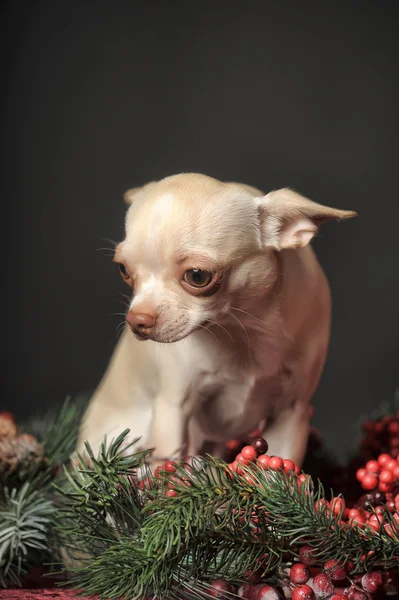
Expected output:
(287, 437)
(167, 429)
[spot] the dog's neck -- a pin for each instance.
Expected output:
(252, 330)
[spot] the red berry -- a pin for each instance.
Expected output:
(396, 472)
(374, 525)
(390, 504)
(144, 483)
(369, 482)
(306, 554)
(393, 427)
(170, 466)
(303, 478)
(353, 513)
(240, 459)
(220, 589)
(233, 466)
(171, 493)
(335, 570)
(390, 464)
(266, 592)
(386, 476)
(354, 594)
(233, 444)
(383, 459)
(360, 473)
(249, 453)
(303, 592)
(250, 479)
(158, 471)
(299, 573)
(373, 467)
(260, 446)
(338, 597)
(396, 501)
(321, 504)
(263, 461)
(275, 463)
(323, 586)
(385, 487)
(337, 505)
(288, 465)
(358, 520)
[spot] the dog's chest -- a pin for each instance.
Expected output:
(231, 406)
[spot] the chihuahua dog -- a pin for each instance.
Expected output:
(228, 324)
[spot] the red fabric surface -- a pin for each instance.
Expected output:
(47, 594)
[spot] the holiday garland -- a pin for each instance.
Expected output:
(178, 530)
(255, 526)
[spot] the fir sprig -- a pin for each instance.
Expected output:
(28, 500)
(59, 430)
(25, 522)
(218, 525)
(101, 504)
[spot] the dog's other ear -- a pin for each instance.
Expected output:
(130, 195)
(288, 220)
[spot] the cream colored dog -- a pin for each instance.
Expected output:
(235, 312)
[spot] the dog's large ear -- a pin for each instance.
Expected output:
(130, 195)
(288, 220)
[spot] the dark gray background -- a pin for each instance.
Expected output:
(101, 96)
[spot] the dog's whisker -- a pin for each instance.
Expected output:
(119, 329)
(209, 331)
(249, 315)
(241, 324)
(221, 327)
(118, 314)
(128, 298)
(112, 242)
(105, 250)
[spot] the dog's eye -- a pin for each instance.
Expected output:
(197, 278)
(123, 271)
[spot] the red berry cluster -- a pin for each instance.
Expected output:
(168, 468)
(332, 581)
(256, 453)
(305, 582)
(381, 479)
(371, 512)
(382, 473)
(381, 436)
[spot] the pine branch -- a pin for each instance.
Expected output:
(25, 518)
(59, 431)
(101, 498)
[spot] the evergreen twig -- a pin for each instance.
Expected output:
(25, 520)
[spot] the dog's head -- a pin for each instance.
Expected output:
(195, 246)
